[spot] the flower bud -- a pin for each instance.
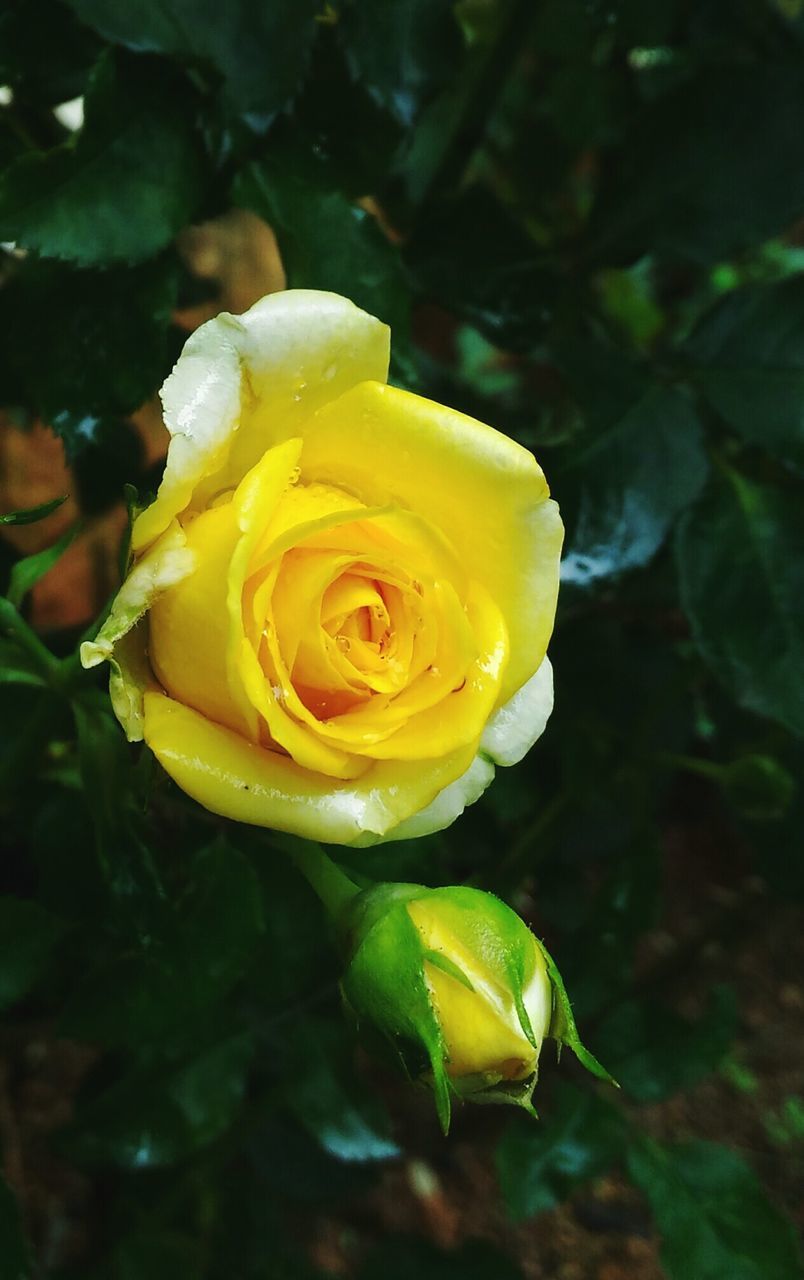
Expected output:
(460, 987)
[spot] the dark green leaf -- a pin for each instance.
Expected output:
(472, 256)
(44, 53)
(261, 50)
(292, 1164)
(322, 1096)
(102, 471)
(714, 1219)
(600, 950)
(102, 760)
(154, 1117)
(27, 572)
(639, 467)
(32, 514)
(697, 177)
(579, 1137)
(81, 345)
(17, 666)
(122, 187)
(28, 935)
(201, 952)
(403, 50)
(15, 1262)
(653, 1052)
(749, 362)
(326, 242)
(358, 137)
(741, 567)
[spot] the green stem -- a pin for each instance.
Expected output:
(14, 625)
(693, 764)
(327, 881)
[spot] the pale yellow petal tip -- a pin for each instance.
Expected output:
(93, 653)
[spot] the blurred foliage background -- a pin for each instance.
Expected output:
(584, 220)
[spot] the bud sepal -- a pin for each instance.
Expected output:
(562, 1023)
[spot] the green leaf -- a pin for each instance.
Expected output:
(295, 952)
(29, 935)
(156, 1116)
(102, 758)
(121, 187)
(540, 1165)
(714, 1219)
(359, 138)
(19, 667)
(472, 255)
(326, 242)
(15, 1261)
(45, 54)
(740, 555)
(654, 1052)
(261, 50)
(323, 1096)
(640, 466)
(403, 51)
(80, 345)
(605, 932)
(31, 514)
(696, 176)
(748, 356)
(200, 953)
(27, 572)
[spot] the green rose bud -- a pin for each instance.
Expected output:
(460, 987)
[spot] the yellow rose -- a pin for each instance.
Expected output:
(338, 607)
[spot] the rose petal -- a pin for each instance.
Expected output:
(167, 562)
(245, 383)
(480, 489)
(514, 727)
(248, 783)
(448, 805)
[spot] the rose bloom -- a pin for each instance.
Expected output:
(338, 606)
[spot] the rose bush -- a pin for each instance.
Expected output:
(338, 606)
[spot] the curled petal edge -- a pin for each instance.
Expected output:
(120, 642)
(514, 727)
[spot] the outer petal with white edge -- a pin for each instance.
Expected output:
(244, 383)
(515, 726)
